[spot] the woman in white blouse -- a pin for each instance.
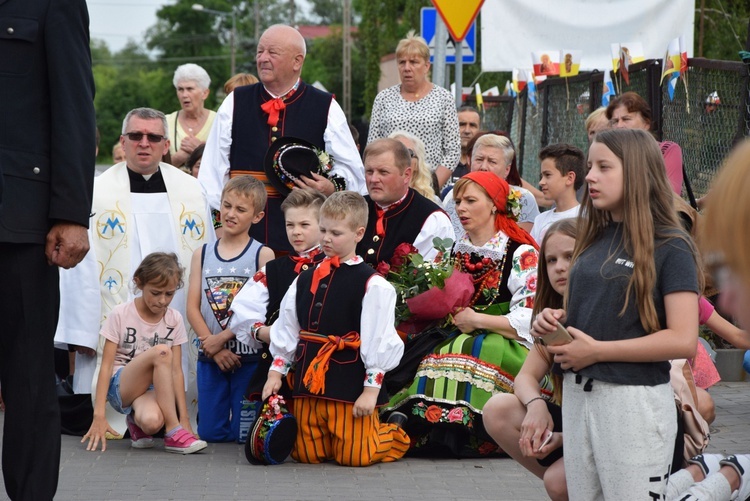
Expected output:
(418, 106)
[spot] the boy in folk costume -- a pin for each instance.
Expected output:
(256, 306)
(337, 323)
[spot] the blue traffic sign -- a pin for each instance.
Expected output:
(428, 21)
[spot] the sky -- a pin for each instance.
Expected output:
(115, 21)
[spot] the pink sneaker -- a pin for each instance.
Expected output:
(183, 442)
(138, 438)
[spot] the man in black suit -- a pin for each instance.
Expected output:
(47, 154)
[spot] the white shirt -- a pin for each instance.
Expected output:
(251, 304)
(214, 171)
(381, 347)
(437, 224)
(545, 220)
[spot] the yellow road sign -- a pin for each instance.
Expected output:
(458, 16)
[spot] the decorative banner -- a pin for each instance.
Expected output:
(674, 64)
(672, 61)
(509, 91)
(672, 85)
(531, 90)
(520, 77)
(629, 52)
(608, 89)
(492, 92)
(510, 29)
(570, 62)
(480, 101)
(546, 62)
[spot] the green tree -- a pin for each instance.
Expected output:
(324, 63)
(327, 12)
(725, 25)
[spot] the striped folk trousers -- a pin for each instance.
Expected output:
(328, 430)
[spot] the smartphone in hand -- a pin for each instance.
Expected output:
(545, 441)
(558, 337)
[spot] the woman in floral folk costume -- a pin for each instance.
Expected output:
(491, 339)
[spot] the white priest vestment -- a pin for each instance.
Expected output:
(125, 227)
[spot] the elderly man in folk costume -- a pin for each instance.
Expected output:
(254, 116)
(140, 206)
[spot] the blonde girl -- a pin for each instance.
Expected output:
(141, 371)
(631, 306)
(520, 422)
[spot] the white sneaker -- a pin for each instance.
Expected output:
(741, 464)
(708, 463)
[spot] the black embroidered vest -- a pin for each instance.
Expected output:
(335, 309)
(305, 117)
(402, 224)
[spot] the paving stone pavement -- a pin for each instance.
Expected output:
(221, 472)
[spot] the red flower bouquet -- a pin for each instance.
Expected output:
(426, 291)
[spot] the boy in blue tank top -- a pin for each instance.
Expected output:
(218, 272)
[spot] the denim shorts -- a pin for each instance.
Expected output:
(113, 393)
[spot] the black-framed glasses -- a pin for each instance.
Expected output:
(411, 153)
(137, 136)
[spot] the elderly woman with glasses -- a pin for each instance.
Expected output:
(418, 106)
(189, 126)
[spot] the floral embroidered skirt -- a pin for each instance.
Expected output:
(444, 402)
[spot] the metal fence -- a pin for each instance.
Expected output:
(709, 113)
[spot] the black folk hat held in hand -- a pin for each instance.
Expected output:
(289, 158)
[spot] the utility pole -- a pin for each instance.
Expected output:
(347, 67)
(292, 13)
(256, 7)
(441, 37)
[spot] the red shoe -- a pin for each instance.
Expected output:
(138, 438)
(183, 442)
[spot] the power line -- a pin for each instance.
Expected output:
(112, 62)
(119, 4)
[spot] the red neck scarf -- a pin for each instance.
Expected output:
(380, 213)
(322, 271)
(497, 188)
(276, 105)
(273, 107)
(300, 261)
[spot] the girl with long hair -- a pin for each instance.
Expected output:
(631, 306)
(521, 422)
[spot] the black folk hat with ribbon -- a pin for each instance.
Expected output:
(272, 437)
(289, 158)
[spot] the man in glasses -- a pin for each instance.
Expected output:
(140, 206)
(47, 129)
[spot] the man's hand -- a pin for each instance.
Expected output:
(318, 182)
(67, 244)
